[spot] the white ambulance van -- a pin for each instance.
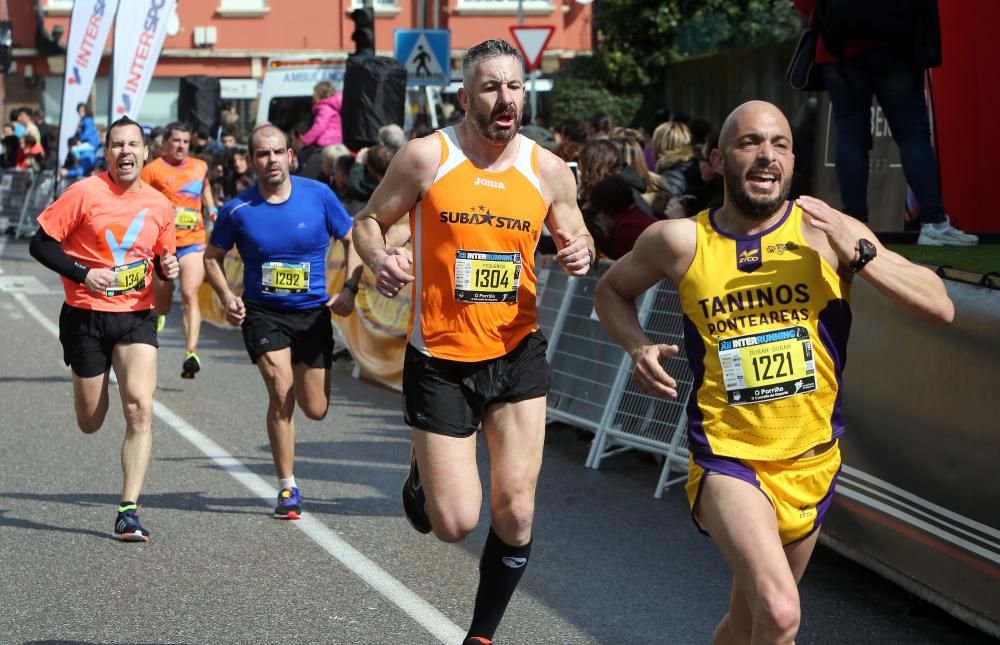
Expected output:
(287, 89)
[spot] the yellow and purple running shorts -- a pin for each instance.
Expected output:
(800, 489)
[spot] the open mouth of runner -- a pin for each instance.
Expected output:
(763, 181)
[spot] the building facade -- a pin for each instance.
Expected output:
(233, 40)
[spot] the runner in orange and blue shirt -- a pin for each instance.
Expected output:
(184, 181)
(106, 236)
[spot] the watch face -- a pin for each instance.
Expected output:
(867, 249)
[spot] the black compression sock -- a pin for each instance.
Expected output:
(500, 569)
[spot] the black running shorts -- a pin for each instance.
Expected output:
(450, 397)
(309, 333)
(88, 337)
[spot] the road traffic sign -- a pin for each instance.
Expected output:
(426, 55)
(532, 42)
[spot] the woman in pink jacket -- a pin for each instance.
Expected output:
(325, 129)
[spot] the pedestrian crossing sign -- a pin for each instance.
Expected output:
(426, 54)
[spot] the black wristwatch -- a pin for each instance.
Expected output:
(866, 253)
(351, 286)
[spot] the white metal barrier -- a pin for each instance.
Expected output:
(14, 187)
(34, 192)
(591, 375)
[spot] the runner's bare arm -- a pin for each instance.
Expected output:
(914, 289)
(216, 275)
(207, 200)
(564, 219)
(664, 250)
(170, 267)
(342, 302)
(409, 175)
(166, 262)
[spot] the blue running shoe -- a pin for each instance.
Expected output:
(127, 526)
(289, 504)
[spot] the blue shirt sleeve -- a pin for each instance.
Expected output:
(226, 227)
(338, 222)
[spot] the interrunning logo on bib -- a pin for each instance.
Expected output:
(515, 563)
(489, 183)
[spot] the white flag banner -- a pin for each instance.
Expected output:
(88, 31)
(140, 29)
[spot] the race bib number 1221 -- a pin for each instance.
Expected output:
(767, 366)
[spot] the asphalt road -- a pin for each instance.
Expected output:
(610, 564)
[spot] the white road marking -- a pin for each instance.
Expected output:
(422, 612)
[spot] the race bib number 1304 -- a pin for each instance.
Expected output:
(483, 276)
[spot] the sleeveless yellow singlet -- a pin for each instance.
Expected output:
(474, 237)
(766, 321)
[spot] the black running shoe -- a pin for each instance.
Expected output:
(192, 365)
(477, 640)
(414, 500)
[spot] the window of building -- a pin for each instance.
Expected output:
(381, 7)
(58, 7)
(503, 7)
(242, 8)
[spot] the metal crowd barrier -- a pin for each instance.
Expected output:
(591, 375)
(43, 190)
(14, 187)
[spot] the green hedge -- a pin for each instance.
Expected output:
(576, 98)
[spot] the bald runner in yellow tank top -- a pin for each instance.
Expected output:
(766, 322)
(476, 231)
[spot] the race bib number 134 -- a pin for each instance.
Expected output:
(128, 278)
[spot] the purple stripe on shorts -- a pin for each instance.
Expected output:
(728, 466)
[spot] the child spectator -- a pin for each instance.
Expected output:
(326, 128)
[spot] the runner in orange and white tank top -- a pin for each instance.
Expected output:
(477, 231)
(184, 181)
(477, 195)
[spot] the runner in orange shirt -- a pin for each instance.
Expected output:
(477, 195)
(106, 236)
(184, 181)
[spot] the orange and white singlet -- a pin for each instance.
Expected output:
(474, 237)
(182, 184)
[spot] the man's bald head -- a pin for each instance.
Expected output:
(266, 130)
(747, 117)
(755, 160)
